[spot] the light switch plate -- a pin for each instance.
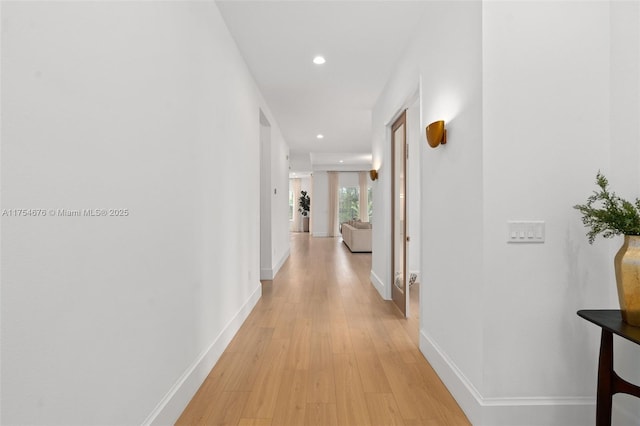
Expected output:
(525, 231)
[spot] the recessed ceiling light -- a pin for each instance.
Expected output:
(320, 136)
(319, 60)
(341, 161)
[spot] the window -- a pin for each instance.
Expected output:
(348, 207)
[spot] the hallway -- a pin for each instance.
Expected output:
(322, 348)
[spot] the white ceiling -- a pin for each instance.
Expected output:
(361, 40)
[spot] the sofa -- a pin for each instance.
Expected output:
(356, 236)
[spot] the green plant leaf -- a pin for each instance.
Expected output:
(607, 214)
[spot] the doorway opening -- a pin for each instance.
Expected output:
(405, 135)
(399, 293)
(266, 259)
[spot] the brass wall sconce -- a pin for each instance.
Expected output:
(373, 174)
(436, 134)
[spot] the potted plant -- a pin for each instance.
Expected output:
(607, 214)
(304, 203)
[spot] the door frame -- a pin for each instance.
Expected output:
(401, 301)
(266, 243)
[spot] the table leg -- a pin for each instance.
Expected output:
(605, 380)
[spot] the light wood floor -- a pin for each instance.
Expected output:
(322, 348)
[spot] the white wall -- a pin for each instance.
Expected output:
(280, 205)
(117, 320)
(348, 179)
(563, 155)
(414, 169)
(531, 116)
(624, 172)
(305, 185)
(452, 189)
(275, 248)
(451, 180)
(266, 197)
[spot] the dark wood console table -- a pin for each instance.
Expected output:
(609, 383)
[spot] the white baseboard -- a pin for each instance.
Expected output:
(269, 274)
(463, 391)
(175, 401)
(543, 411)
(283, 259)
(319, 234)
(379, 285)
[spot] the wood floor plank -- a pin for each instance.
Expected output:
(285, 321)
(254, 422)
(351, 403)
(266, 314)
(292, 399)
(401, 341)
(321, 354)
(360, 339)
(371, 372)
(226, 409)
(321, 415)
(198, 408)
(384, 410)
(444, 403)
(340, 337)
(250, 338)
(263, 396)
(322, 348)
(321, 385)
(416, 398)
(299, 349)
(243, 373)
